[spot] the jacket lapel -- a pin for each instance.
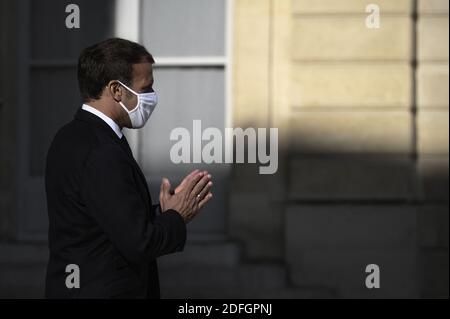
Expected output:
(124, 144)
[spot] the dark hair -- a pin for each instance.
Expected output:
(108, 60)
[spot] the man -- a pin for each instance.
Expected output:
(101, 217)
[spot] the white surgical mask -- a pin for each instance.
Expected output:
(145, 105)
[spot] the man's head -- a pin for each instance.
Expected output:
(104, 66)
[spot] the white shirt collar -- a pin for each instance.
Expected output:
(105, 118)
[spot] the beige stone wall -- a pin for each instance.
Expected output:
(432, 143)
(364, 138)
(255, 105)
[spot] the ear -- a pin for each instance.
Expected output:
(115, 90)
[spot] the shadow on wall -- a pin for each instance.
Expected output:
(344, 198)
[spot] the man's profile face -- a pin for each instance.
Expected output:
(142, 82)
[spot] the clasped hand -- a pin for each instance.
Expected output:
(189, 197)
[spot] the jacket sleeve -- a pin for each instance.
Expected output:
(112, 197)
(156, 209)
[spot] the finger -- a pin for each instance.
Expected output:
(205, 200)
(192, 182)
(200, 185)
(204, 191)
(191, 174)
(161, 190)
(196, 195)
(165, 188)
(185, 180)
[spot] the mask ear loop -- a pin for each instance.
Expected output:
(135, 93)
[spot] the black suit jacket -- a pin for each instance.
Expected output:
(101, 216)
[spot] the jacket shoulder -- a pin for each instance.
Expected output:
(74, 142)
